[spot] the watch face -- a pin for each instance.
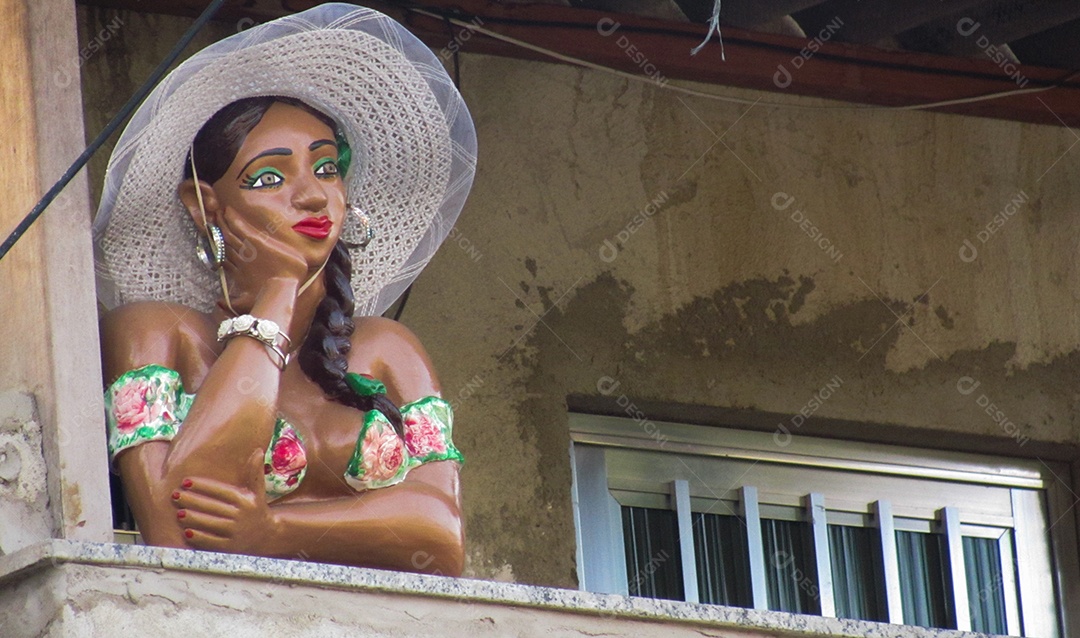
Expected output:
(243, 323)
(267, 330)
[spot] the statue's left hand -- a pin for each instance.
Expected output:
(218, 516)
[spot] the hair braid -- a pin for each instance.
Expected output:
(323, 356)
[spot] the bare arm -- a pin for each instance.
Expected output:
(234, 411)
(233, 415)
(415, 525)
(412, 526)
(225, 431)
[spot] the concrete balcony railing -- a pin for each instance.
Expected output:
(71, 588)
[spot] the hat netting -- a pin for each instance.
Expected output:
(413, 143)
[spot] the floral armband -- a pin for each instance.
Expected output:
(382, 459)
(146, 404)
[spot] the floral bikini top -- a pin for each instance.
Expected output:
(149, 404)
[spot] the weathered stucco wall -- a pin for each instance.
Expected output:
(714, 296)
(719, 299)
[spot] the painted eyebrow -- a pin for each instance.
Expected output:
(320, 143)
(273, 151)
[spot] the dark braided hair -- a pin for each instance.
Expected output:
(324, 353)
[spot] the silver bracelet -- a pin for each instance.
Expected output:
(264, 331)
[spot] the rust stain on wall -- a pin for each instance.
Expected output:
(73, 513)
(741, 348)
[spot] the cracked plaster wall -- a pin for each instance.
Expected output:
(24, 501)
(712, 297)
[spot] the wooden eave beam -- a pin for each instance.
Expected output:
(659, 9)
(825, 69)
(837, 71)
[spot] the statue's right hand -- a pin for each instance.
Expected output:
(254, 255)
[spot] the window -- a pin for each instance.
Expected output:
(816, 526)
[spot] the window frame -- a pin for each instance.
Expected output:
(598, 442)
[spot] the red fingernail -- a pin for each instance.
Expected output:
(186, 484)
(181, 514)
(189, 533)
(176, 496)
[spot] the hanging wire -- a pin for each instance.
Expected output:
(457, 67)
(669, 86)
(714, 25)
(109, 129)
(401, 304)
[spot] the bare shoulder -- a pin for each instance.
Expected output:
(382, 331)
(394, 354)
(138, 334)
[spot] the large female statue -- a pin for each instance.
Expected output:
(272, 187)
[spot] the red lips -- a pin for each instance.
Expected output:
(314, 227)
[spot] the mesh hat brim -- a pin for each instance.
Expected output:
(414, 152)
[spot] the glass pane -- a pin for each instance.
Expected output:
(924, 586)
(653, 564)
(986, 588)
(789, 574)
(723, 567)
(857, 583)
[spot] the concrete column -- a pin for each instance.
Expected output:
(48, 313)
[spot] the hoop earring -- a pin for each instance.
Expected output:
(215, 258)
(358, 231)
(211, 249)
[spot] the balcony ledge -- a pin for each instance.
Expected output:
(77, 588)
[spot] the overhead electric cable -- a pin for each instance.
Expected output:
(109, 129)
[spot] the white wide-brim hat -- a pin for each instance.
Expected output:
(413, 145)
